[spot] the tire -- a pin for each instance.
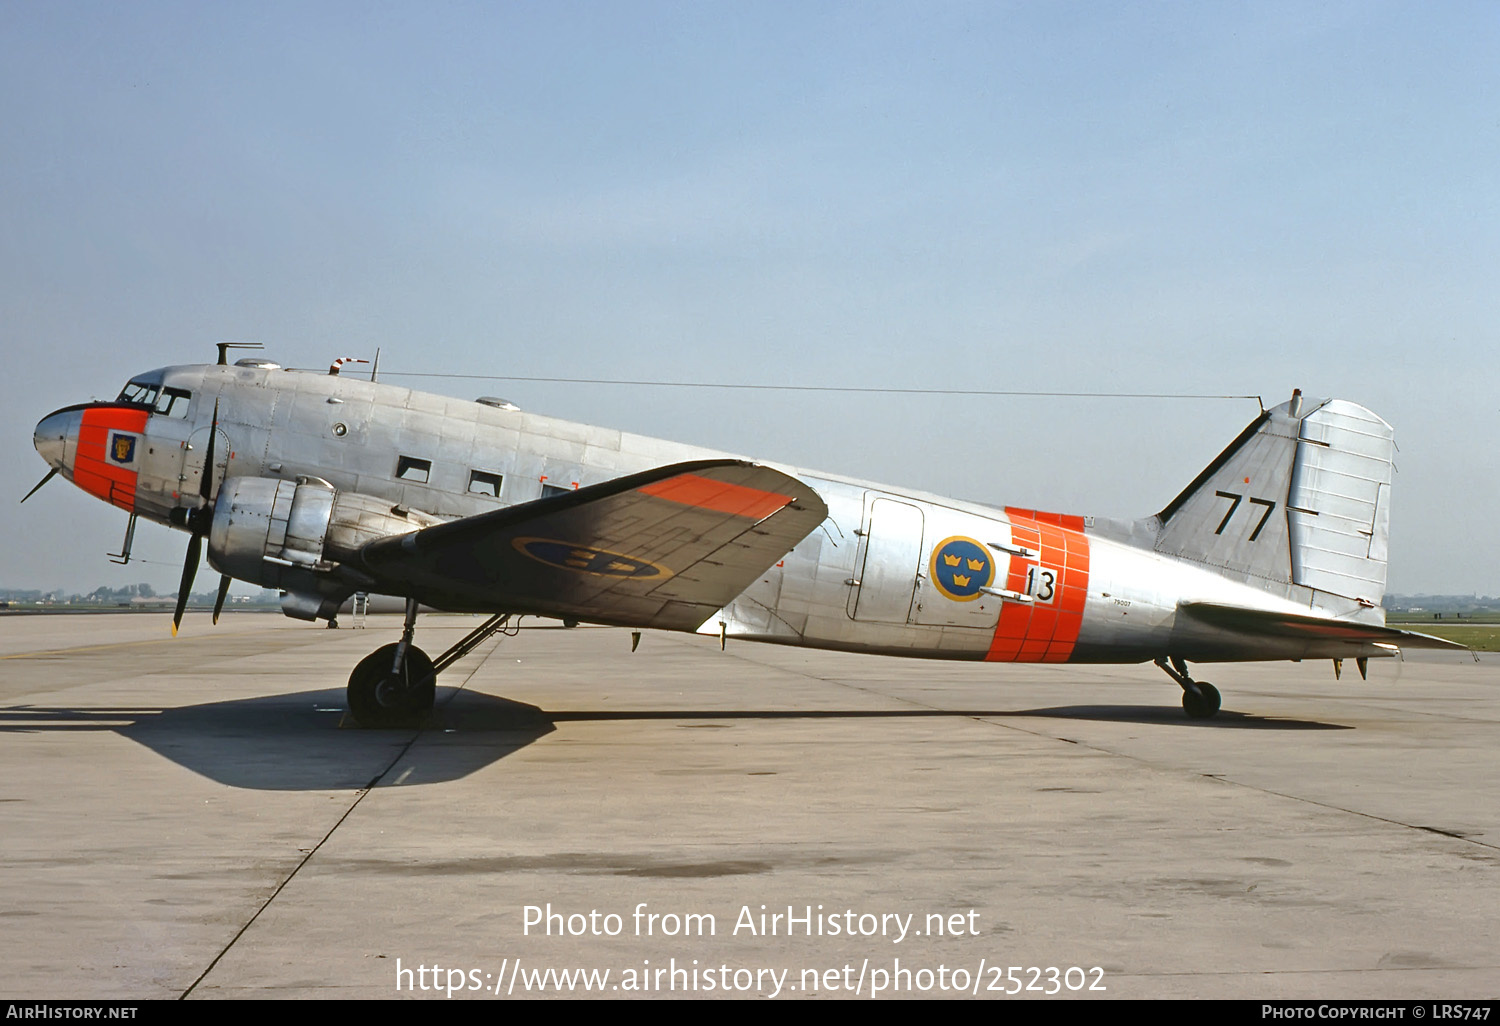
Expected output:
(1200, 701)
(380, 700)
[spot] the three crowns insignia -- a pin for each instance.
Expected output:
(961, 568)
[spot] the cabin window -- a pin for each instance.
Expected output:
(482, 482)
(409, 468)
(548, 491)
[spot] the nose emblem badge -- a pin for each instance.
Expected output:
(122, 448)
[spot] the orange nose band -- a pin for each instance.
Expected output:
(111, 443)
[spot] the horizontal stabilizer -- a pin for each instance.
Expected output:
(665, 548)
(1309, 628)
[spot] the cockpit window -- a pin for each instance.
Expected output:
(139, 392)
(173, 402)
(169, 402)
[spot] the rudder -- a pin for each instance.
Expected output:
(1339, 507)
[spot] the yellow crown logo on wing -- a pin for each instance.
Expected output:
(975, 564)
(951, 560)
(960, 581)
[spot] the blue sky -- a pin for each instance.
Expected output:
(1206, 198)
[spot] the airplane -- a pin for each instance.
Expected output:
(327, 485)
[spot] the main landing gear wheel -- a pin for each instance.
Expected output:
(379, 697)
(394, 686)
(1201, 700)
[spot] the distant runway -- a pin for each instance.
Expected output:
(188, 817)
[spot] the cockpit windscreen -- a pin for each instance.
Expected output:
(169, 402)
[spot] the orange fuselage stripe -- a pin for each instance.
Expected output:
(1044, 632)
(719, 496)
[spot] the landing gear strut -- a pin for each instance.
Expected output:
(395, 685)
(1200, 699)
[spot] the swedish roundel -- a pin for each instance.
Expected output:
(583, 559)
(961, 567)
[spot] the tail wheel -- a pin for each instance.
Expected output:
(379, 698)
(1200, 700)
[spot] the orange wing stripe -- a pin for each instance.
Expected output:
(719, 496)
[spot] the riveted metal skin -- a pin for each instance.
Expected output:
(327, 484)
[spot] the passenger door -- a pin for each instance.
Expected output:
(887, 580)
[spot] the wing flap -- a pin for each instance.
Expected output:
(665, 548)
(1309, 628)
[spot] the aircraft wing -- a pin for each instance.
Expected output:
(664, 548)
(1309, 628)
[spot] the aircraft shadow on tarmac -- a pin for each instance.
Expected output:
(294, 742)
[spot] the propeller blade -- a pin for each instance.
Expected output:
(50, 475)
(206, 483)
(198, 521)
(189, 571)
(224, 583)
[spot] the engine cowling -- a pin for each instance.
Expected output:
(295, 535)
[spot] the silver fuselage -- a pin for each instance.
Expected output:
(890, 570)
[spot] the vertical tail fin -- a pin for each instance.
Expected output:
(1300, 500)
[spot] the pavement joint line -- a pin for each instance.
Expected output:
(364, 792)
(478, 665)
(991, 721)
(1225, 779)
(293, 874)
(1453, 835)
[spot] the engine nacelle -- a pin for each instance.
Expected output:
(294, 535)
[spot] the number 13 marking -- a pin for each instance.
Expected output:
(1041, 583)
